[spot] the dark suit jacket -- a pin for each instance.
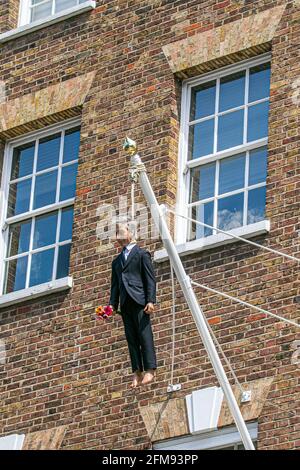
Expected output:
(134, 277)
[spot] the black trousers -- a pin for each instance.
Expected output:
(139, 335)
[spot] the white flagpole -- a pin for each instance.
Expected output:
(138, 172)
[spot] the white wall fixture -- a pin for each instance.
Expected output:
(12, 442)
(203, 409)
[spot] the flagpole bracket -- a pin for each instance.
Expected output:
(173, 388)
(246, 396)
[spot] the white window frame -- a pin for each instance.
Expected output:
(25, 10)
(213, 440)
(54, 284)
(184, 165)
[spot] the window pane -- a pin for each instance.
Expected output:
(256, 205)
(232, 91)
(230, 211)
(15, 276)
(41, 11)
(48, 152)
(22, 163)
(202, 182)
(259, 82)
(63, 261)
(232, 173)
(68, 182)
(45, 230)
(66, 224)
(19, 237)
(203, 100)
(258, 166)
(64, 4)
(45, 189)
(202, 138)
(19, 197)
(71, 145)
(230, 130)
(204, 213)
(41, 267)
(258, 121)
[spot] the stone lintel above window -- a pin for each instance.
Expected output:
(44, 107)
(224, 45)
(169, 418)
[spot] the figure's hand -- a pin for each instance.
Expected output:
(114, 310)
(149, 308)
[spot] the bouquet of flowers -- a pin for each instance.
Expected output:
(103, 312)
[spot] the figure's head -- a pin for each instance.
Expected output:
(125, 232)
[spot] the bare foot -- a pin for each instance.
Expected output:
(137, 379)
(148, 377)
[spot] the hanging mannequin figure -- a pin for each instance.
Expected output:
(133, 284)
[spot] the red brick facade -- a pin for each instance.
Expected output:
(65, 369)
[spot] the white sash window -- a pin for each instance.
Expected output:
(223, 149)
(37, 10)
(38, 189)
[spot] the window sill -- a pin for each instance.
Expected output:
(213, 241)
(36, 25)
(36, 291)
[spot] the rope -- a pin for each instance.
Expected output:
(211, 332)
(266, 312)
(132, 199)
(258, 245)
(223, 354)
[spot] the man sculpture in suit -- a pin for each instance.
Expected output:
(133, 284)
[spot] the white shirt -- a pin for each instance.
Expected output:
(128, 249)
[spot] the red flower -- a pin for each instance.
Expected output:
(103, 312)
(108, 310)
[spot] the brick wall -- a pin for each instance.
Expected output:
(62, 367)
